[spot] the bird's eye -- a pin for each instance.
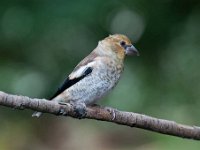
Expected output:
(122, 43)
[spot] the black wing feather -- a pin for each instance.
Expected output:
(69, 82)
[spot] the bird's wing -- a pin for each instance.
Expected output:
(83, 69)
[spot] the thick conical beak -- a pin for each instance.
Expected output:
(131, 50)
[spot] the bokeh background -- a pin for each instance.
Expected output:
(42, 41)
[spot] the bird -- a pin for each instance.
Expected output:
(96, 74)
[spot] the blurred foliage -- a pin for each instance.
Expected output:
(42, 41)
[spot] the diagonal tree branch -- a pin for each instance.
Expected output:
(103, 114)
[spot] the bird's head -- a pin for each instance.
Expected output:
(117, 45)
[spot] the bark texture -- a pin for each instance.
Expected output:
(104, 114)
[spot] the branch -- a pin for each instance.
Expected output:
(103, 114)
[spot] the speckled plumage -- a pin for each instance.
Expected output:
(96, 74)
(95, 85)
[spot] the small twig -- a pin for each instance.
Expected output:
(103, 114)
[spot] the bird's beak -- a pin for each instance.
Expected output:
(131, 50)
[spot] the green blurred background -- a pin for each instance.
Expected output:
(42, 41)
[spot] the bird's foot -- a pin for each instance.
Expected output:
(80, 110)
(64, 103)
(62, 110)
(112, 112)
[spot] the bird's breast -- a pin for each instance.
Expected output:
(103, 78)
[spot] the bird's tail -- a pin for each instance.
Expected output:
(37, 114)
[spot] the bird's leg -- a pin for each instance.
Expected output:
(62, 110)
(63, 103)
(80, 109)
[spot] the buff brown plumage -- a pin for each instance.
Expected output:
(96, 74)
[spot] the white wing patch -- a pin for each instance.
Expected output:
(78, 73)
